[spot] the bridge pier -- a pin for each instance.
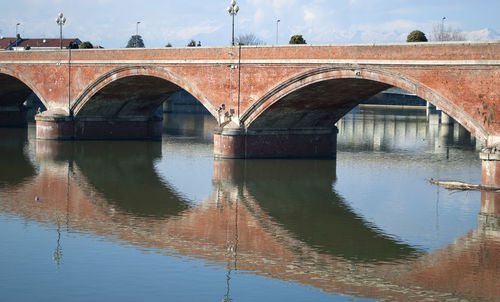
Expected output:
(13, 116)
(64, 127)
(490, 170)
(275, 143)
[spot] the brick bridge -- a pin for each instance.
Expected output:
(269, 101)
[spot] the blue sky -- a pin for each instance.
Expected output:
(110, 23)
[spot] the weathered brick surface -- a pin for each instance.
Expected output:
(463, 79)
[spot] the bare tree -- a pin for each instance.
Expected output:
(249, 39)
(442, 33)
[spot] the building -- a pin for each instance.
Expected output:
(19, 43)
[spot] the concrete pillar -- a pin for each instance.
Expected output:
(446, 119)
(490, 170)
(59, 126)
(272, 143)
(13, 116)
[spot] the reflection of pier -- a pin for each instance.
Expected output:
(247, 224)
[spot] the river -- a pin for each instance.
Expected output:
(150, 221)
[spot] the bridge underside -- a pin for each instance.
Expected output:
(13, 93)
(124, 109)
(301, 124)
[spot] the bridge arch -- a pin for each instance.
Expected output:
(18, 79)
(348, 86)
(133, 77)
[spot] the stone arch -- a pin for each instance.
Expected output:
(24, 80)
(386, 77)
(123, 73)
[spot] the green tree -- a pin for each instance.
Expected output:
(168, 45)
(416, 36)
(297, 39)
(86, 44)
(135, 41)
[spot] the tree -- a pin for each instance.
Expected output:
(135, 41)
(297, 39)
(168, 45)
(442, 33)
(416, 36)
(191, 43)
(249, 39)
(86, 44)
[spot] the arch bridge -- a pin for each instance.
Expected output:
(269, 101)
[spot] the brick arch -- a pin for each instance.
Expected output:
(303, 80)
(26, 81)
(132, 71)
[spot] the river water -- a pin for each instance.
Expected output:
(151, 221)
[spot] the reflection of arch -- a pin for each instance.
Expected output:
(138, 71)
(297, 196)
(16, 167)
(25, 81)
(388, 78)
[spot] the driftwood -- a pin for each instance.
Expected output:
(463, 186)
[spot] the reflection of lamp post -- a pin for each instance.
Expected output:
(60, 20)
(233, 10)
(277, 22)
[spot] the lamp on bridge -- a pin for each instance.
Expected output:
(277, 22)
(17, 38)
(60, 20)
(233, 10)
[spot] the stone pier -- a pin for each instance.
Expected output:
(64, 127)
(490, 170)
(275, 143)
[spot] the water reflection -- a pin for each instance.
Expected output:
(283, 219)
(16, 167)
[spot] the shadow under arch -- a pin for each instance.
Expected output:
(133, 91)
(335, 91)
(16, 88)
(298, 196)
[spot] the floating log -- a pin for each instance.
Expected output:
(463, 186)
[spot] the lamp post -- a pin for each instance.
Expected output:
(17, 24)
(137, 28)
(442, 28)
(277, 22)
(60, 20)
(233, 10)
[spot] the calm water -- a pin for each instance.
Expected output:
(151, 221)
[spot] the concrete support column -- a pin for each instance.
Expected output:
(13, 116)
(446, 119)
(273, 143)
(490, 170)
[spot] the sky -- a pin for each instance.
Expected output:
(110, 23)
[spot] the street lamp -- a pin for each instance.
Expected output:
(442, 28)
(233, 10)
(137, 28)
(277, 22)
(60, 20)
(16, 33)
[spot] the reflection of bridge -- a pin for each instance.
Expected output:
(278, 101)
(237, 223)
